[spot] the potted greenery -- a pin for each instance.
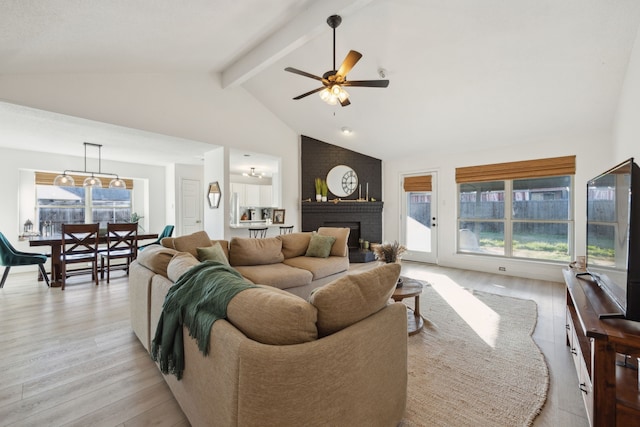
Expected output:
(318, 184)
(388, 253)
(325, 190)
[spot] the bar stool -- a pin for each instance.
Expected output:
(286, 229)
(259, 233)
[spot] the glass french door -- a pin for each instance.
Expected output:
(419, 217)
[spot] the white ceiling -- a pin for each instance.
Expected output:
(463, 73)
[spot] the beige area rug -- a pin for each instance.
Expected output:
(475, 363)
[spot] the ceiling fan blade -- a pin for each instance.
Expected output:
(366, 83)
(305, 74)
(308, 93)
(352, 58)
(345, 102)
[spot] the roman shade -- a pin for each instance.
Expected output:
(554, 166)
(417, 183)
(46, 178)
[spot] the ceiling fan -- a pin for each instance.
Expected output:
(334, 81)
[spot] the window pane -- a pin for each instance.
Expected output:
(481, 237)
(482, 200)
(110, 205)
(535, 240)
(418, 231)
(541, 198)
(57, 205)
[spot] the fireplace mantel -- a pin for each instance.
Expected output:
(342, 207)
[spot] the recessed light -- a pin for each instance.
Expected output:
(345, 130)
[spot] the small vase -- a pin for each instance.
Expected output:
(324, 198)
(318, 197)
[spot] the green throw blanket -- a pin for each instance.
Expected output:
(197, 300)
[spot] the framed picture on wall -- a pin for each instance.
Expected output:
(278, 216)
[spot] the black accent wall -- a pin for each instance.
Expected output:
(318, 158)
(363, 218)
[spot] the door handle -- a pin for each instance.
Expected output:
(198, 221)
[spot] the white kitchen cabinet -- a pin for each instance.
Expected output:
(266, 196)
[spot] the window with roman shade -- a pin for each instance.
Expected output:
(520, 209)
(77, 204)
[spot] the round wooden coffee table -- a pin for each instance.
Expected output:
(411, 288)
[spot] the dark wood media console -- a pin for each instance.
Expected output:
(605, 353)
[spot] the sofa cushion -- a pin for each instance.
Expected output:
(320, 246)
(319, 267)
(272, 316)
(277, 275)
(351, 298)
(295, 244)
(247, 251)
(341, 234)
(212, 253)
(179, 264)
(191, 242)
(156, 258)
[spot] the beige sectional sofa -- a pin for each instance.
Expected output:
(339, 358)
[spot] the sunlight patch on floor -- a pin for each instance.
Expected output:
(482, 319)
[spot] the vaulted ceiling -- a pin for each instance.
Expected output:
(463, 73)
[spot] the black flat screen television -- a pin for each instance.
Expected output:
(613, 237)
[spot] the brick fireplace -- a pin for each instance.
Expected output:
(363, 218)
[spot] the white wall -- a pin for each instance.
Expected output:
(592, 151)
(627, 122)
(186, 105)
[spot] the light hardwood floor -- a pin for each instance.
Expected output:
(69, 358)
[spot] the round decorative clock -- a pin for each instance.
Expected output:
(342, 181)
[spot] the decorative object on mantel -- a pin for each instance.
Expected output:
(388, 253)
(325, 190)
(318, 184)
(65, 180)
(342, 181)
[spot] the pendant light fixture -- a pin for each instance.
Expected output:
(253, 174)
(66, 180)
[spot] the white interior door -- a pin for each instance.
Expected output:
(419, 217)
(191, 206)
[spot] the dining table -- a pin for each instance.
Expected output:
(55, 243)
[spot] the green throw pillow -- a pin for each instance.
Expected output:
(212, 253)
(320, 246)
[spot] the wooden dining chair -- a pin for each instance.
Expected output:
(122, 243)
(79, 245)
(259, 233)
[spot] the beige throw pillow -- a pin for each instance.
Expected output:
(179, 264)
(191, 242)
(156, 258)
(246, 251)
(351, 298)
(273, 316)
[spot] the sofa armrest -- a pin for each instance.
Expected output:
(357, 376)
(208, 390)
